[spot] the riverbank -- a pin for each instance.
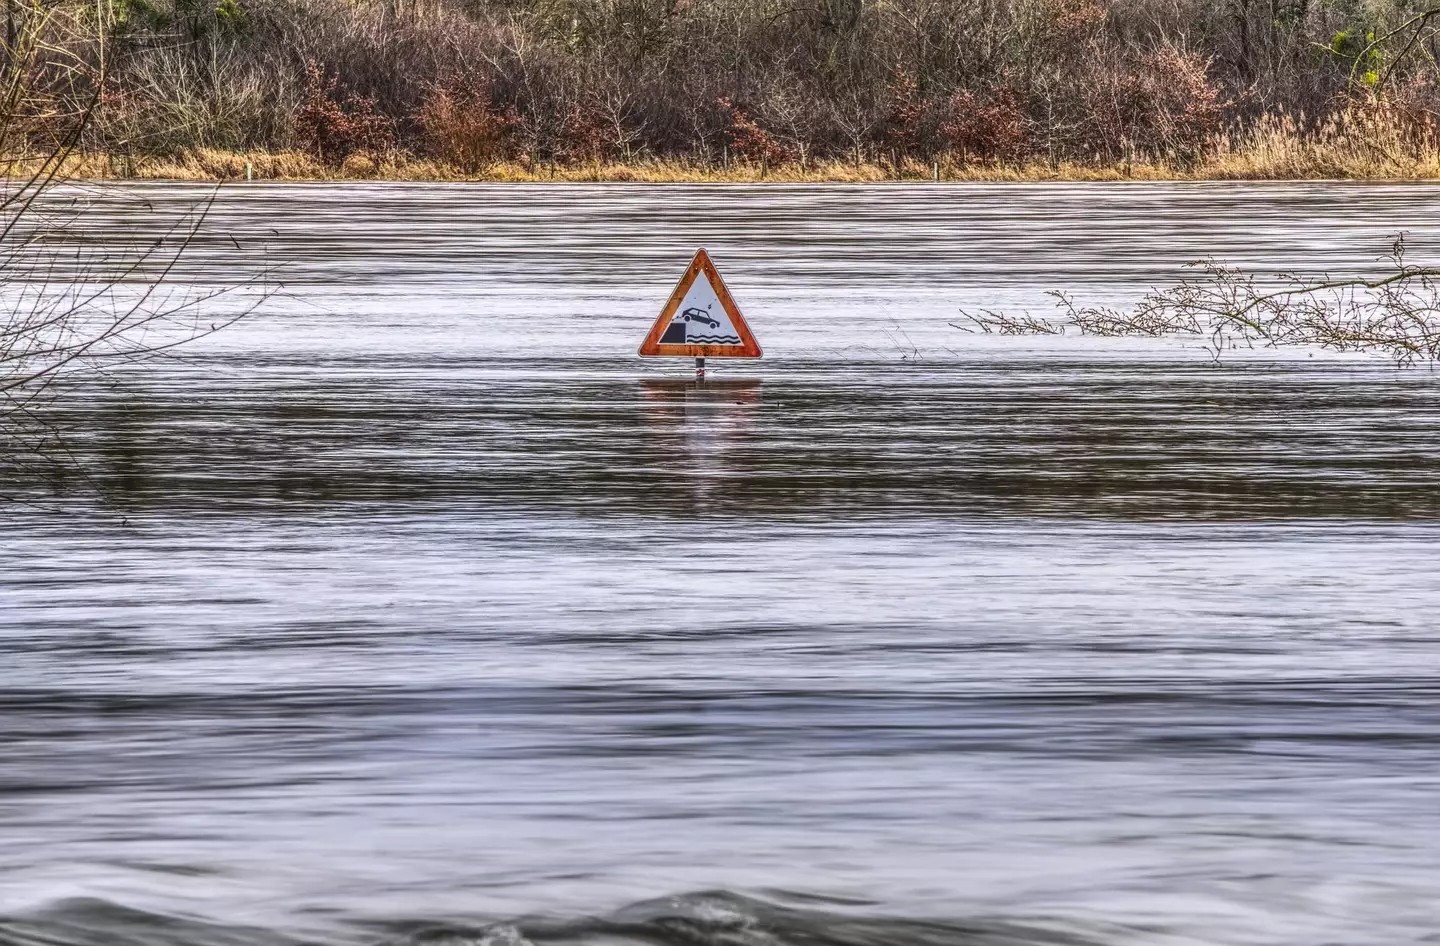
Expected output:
(1263, 157)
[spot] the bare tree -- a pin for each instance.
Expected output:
(74, 303)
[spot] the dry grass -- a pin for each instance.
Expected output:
(1346, 147)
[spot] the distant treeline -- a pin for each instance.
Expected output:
(467, 83)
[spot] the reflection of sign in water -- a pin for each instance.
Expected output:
(705, 422)
(701, 319)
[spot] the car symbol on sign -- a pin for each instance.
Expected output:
(699, 315)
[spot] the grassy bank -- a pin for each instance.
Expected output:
(1269, 154)
(680, 90)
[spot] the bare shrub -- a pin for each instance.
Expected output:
(987, 127)
(333, 129)
(211, 95)
(463, 128)
(1397, 315)
(71, 305)
(63, 310)
(748, 141)
(1175, 109)
(990, 322)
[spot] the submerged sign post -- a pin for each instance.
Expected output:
(701, 320)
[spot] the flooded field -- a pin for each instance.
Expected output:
(417, 609)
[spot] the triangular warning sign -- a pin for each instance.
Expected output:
(701, 320)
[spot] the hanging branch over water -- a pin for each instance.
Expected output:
(79, 299)
(1397, 314)
(79, 304)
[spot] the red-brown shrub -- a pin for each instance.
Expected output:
(991, 127)
(1176, 109)
(748, 141)
(904, 115)
(333, 130)
(583, 136)
(463, 127)
(1067, 24)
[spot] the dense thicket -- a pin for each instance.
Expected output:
(474, 81)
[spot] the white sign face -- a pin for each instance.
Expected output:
(700, 319)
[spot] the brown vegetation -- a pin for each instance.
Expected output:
(749, 88)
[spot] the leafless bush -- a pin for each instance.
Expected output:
(1397, 315)
(989, 127)
(333, 128)
(990, 322)
(73, 306)
(65, 310)
(463, 127)
(177, 97)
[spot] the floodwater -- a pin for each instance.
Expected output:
(416, 609)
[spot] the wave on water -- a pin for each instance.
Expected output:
(718, 918)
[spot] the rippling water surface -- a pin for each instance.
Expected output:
(416, 609)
